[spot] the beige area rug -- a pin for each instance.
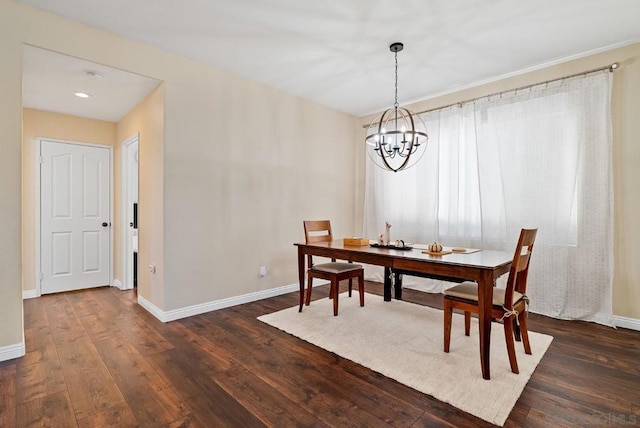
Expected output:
(384, 333)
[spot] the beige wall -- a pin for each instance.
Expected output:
(626, 156)
(11, 333)
(246, 166)
(146, 120)
(243, 165)
(38, 123)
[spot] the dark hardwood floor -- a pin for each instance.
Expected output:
(95, 358)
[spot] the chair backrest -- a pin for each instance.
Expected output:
(520, 266)
(317, 231)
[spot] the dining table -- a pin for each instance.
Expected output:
(483, 267)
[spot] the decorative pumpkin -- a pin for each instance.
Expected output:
(435, 247)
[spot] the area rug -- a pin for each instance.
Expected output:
(385, 333)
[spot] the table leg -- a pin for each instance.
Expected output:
(301, 276)
(397, 285)
(485, 296)
(387, 284)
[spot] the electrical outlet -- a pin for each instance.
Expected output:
(263, 271)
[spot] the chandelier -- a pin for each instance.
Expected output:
(394, 142)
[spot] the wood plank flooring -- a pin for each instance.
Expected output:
(96, 359)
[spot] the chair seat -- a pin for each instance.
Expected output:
(336, 267)
(469, 291)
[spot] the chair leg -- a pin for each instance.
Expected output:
(516, 330)
(309, 288)
(511, 350)
(334, 287)
(361, 288)
(467, 323)
(522, 318)
(448, 315)
(350, 286)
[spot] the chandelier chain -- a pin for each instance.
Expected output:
(395, 104)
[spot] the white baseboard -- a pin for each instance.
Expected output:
(12, 351)
(624, 322)
(176, 314)
(118, 284)
(30, 294)
(152, 309)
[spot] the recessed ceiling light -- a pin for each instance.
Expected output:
(82, 95)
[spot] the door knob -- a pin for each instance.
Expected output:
(105, 224)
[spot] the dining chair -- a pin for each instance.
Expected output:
(320, 231)
(509, 304)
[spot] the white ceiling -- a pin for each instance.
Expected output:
(336, 52)
(50, 80)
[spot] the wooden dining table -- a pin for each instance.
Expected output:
(483, 267)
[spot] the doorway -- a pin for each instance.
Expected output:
(49, 81)
(74, 215)
(130, 169)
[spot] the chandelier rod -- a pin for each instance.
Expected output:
(612, 67)
(395, 104)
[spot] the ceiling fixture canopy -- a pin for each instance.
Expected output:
(396, 139)
(93, 74)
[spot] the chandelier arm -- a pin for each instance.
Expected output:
(420, 157)
(386, 163)
(404, 164)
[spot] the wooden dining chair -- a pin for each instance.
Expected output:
(320, 231)
(509, 304)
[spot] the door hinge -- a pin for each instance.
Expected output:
(40, 160)
(41, 276)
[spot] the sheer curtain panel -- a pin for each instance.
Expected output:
(536, 158)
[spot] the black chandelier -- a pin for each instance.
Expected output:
(393, 142)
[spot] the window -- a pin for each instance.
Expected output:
(540, 158)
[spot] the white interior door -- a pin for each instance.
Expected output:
(130, 199)
(75, 181)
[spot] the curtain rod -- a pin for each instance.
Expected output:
(611, 68)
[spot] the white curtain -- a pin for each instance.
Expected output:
(536, 158)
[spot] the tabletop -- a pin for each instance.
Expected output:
(481, 259)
